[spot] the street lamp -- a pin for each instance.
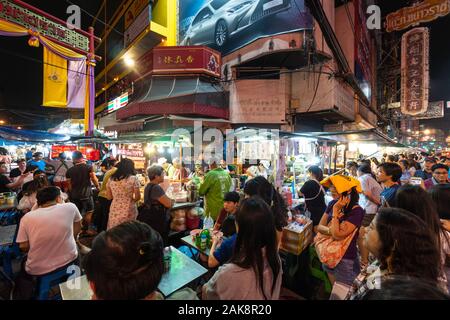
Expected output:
(129, 62)
(2, 121)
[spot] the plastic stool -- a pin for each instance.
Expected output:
(315, 267)
(46, 282)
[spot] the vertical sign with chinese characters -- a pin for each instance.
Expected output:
(415, 71)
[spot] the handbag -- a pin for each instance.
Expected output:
(155, 215)
(331, 251)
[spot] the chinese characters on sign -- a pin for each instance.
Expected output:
(415, 71)
(189, 60)
(248, 105)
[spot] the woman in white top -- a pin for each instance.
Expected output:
(369, 200)
(254, 271)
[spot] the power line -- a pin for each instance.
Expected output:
(349, 17)
(38, 61)
(315, 91)
(96, 18)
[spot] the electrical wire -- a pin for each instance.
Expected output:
(95, 18)
(277, 73)
(352, 24)
(14, 54)
(316, 90)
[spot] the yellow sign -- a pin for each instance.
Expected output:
(426, 11)
(133, 11)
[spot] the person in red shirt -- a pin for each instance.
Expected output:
(440, 176)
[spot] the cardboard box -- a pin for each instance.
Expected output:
(295, 242)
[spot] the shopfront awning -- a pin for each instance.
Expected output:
(160, 95)
(363, 136)
(12, 134)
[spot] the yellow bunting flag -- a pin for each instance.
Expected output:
(55, 80)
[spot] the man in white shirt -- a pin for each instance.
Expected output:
(48, 233)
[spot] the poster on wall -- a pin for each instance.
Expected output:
(227, 25)
(248, 105)
(415, 71)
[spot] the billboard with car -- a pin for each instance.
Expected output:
(227, 25)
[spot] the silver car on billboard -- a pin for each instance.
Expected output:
(219, 20)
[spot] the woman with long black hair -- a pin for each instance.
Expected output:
(259, 186)
(403, 246)
(417, 201)
(124, 190)
(254, 271)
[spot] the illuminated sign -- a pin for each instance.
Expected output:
(170, 60)
(228, 25)
(425, 11)
(415, 71)
(117, 103)
(12, 12)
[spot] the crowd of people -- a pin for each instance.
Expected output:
(385, 223)
(381, 227)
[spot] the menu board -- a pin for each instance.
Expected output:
(90, 153)
(133, 152)
(56, 150)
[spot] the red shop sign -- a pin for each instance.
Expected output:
(183, 60)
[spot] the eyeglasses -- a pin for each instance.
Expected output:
(440, 173)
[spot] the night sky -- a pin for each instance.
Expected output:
(21, 68)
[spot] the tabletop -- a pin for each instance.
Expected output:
(7, 234)
(188, 241)
(183, 270)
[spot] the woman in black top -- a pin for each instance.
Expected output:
(156, 203)
(314, 194)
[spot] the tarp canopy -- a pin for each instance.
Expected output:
(12, 134)
(363, 136)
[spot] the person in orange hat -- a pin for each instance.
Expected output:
(341, 221)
